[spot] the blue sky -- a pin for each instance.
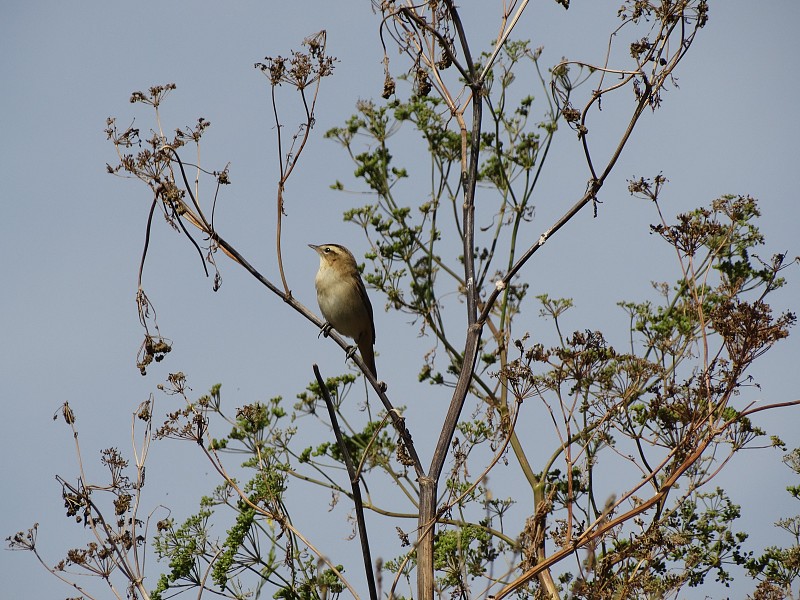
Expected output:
(71, 234)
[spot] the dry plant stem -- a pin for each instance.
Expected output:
(545, 577)
(292, 157)
(627, 76)
(354, 485)
(650, 476)
(279, 221)
(603, 525)
(423, 533)
(596, 183)
(470, 160)
(58, 575)
(147, 240)
(593, 187)
(140, 459)
(503, 38)
(132, 572)
(208, 571)
(120, 561)
(413, 36)
(428, 484)
(400, 573)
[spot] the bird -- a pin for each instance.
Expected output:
(343, 300)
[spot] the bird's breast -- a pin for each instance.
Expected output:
(341, 304)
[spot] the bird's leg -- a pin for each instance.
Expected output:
(350, 352)
(326, 329)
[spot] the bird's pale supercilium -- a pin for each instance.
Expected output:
(343, 300)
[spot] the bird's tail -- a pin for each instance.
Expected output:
(368, 356)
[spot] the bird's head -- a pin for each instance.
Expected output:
(334, 255)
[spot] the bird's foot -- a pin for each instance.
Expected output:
(326, 329)
(350, 352)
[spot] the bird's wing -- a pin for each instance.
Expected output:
(362, 291)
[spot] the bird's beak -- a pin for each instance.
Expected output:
(313, 247)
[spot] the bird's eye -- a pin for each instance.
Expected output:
(327, 250)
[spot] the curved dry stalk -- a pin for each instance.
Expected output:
(144, 412)
(501, 40)
(317, 45)
(402, 566)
